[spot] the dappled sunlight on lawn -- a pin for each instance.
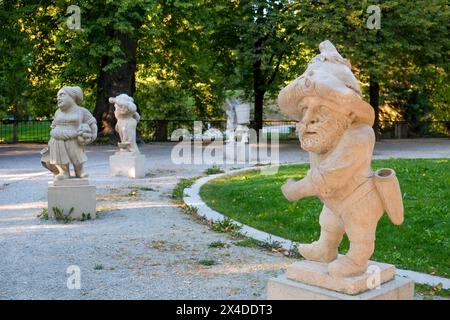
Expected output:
(257, 201)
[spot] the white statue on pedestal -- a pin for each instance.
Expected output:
(231, 121)
(127, 119)
(128, 161)
(335, 127)
(73, 127)
(238, 118)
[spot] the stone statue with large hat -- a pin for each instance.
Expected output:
(335, 127)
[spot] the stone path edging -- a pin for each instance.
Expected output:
(191, 196)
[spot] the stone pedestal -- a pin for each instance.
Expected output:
(309, 280)
(240, 153)
(72, 193)
(127, 164)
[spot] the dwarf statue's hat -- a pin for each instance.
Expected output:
(329, 76)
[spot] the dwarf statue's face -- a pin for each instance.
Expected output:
(321, 126)
(122, 111)
(64, 100)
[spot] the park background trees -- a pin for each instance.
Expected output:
(180, 59)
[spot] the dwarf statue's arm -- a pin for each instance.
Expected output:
(335, 171)
(296, 190)
(94, 129)
(92, 123)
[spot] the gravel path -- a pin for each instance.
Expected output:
(142, 246)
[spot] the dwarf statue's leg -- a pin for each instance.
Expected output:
(51, 167)
(360, 225)
(45, 161)
(331, 232)
(79, 171)
(63, 170)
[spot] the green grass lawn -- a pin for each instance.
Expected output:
(32, 131)
(422, 243)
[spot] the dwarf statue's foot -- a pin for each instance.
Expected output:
(318, 251)
(346, 267)
(62, 176)
(81, 174)
(79, 171)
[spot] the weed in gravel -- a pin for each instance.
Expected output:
(213, 170)
(43, 215)
(217, 244)
(207, 262)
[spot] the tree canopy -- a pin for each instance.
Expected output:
(180, 59)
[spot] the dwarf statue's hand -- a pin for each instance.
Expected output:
(290, 190)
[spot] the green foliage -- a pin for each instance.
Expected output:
(431, 291)
(217, 244)
(43, 215)
(142, 188)
(248, 242)
(177, 192)
(253, 243)
(190, 55)
(98, 266)
(213, 170)
(256, 200)
(164, 100)
(207, 262)
(226, 226)
(85, 216)
(15, 58)
(60, 216)
(405, 56)
(190, 210)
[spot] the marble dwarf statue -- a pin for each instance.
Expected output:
(72, 128)
(231, 120)
(238, 117)
(127, 119)
(335, 127)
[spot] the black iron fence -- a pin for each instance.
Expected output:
(422, 129)
(164, 130)
(24, 131)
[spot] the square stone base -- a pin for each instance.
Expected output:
(281, 288)
(240, 152)
(72, 193)
(129, 165)
(316, 274)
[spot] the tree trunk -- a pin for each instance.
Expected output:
(16, 120)
(161, 130)
(259, 105)
(259, 88)
(113, 83)
(374, 91)
(15, 130)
